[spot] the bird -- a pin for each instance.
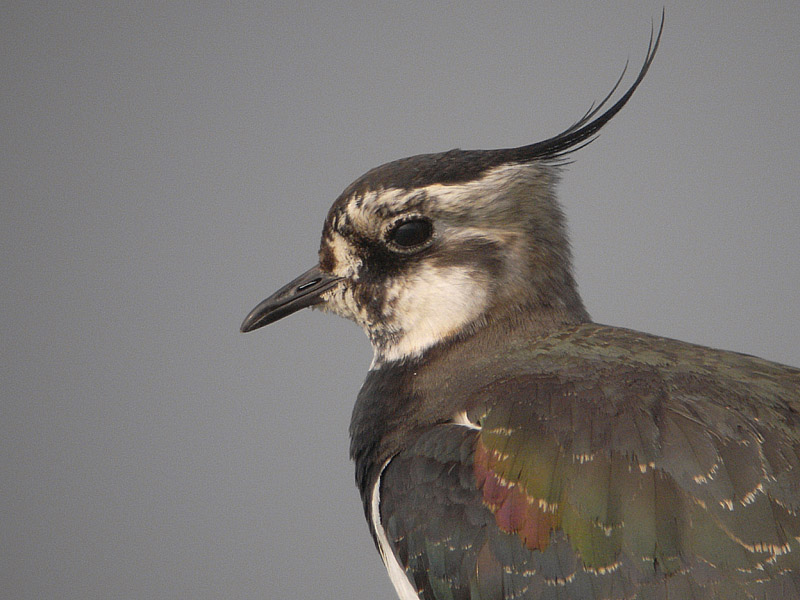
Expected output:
(508, 446)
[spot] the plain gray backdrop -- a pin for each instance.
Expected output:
(166, 165)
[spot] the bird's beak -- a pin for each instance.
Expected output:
(304, 291)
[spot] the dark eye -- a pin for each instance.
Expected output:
(411, 233)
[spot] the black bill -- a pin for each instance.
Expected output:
(304, 291)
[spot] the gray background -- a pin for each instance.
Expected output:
(165, 166)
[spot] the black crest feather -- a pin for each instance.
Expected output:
(459, 166)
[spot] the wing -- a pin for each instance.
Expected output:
(627, 484)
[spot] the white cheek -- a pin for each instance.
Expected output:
(432, 305)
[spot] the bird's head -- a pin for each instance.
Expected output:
(429, 248)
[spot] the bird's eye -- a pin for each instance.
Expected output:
(410, 234)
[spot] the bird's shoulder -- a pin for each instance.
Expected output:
(593, 350)
(612, 370)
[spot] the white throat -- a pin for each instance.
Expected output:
(428, 307)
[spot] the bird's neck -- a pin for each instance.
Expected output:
(401, 399)
(533, 319)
